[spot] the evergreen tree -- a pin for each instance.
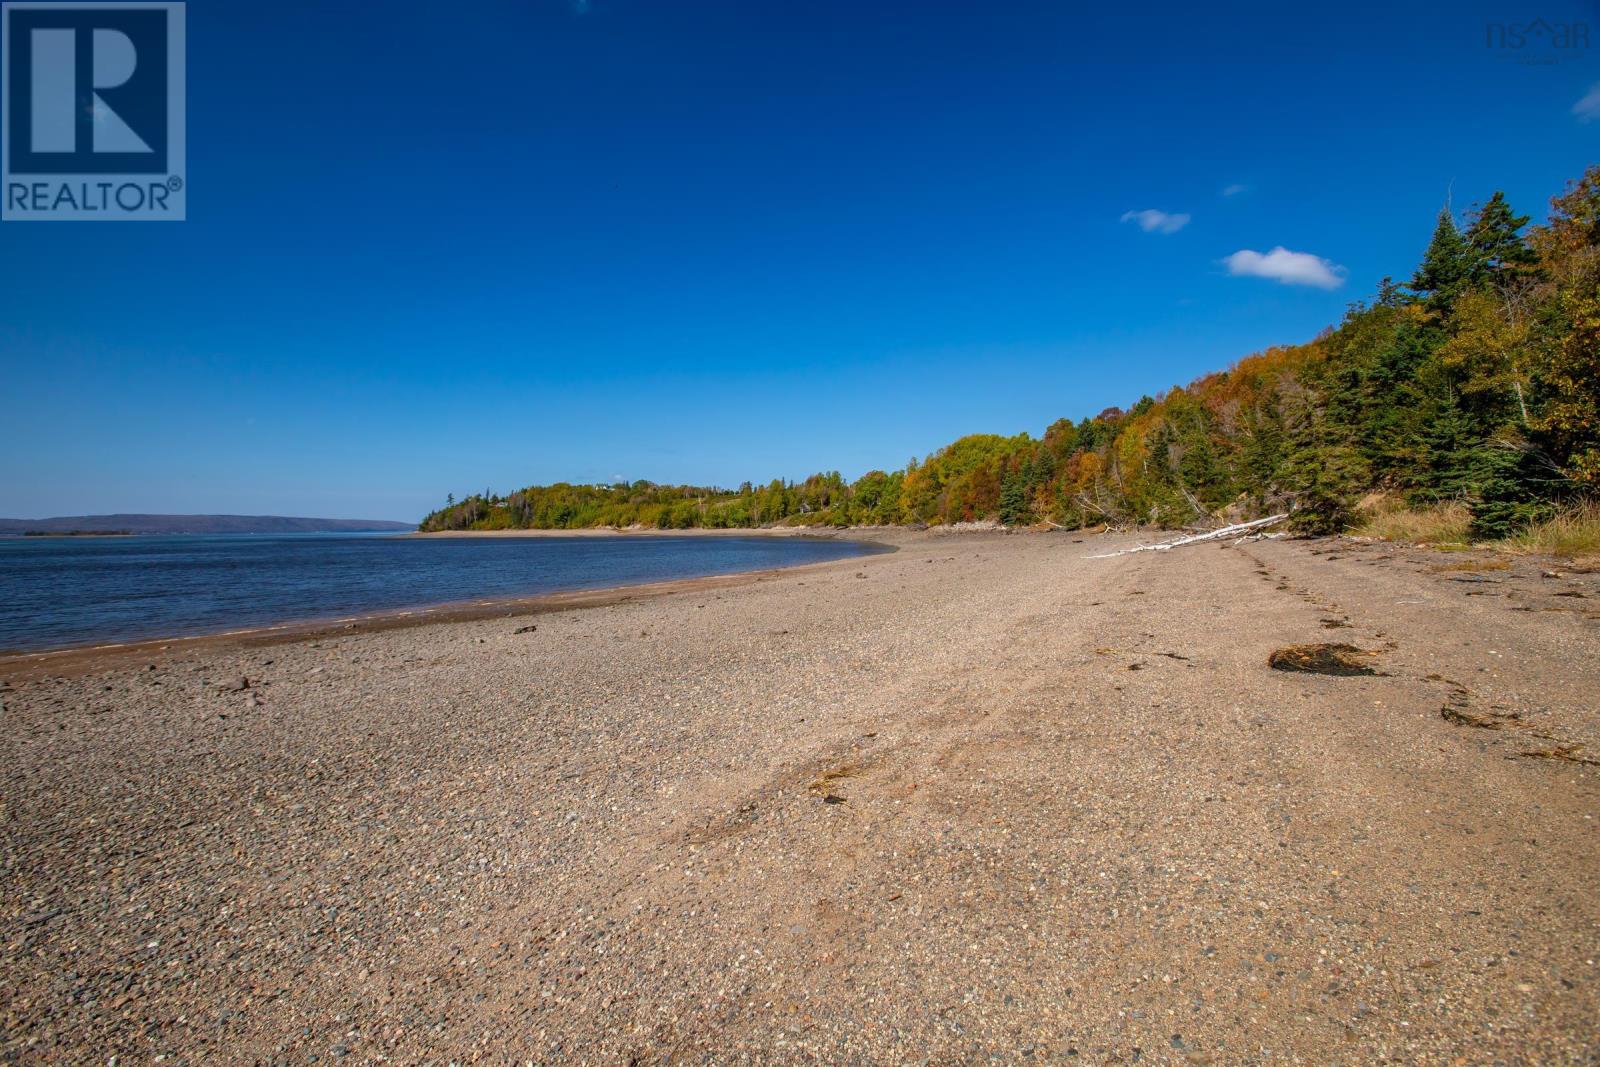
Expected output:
(1325, 480)
(1323, 473)
(1507, 478)
(1013, 500)
(1445, 266)
(1263, 449)
(1202, 470)
(1495, 248)
(1448, 471)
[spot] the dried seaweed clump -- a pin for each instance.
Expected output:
(1322, 659)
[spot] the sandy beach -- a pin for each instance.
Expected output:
(982, 799)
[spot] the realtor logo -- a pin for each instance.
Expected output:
(92, 125)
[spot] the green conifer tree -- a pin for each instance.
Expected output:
(1323, 474)
(1448, 447)
(1495, 248)
(1013, 500)
(1510, 490)
(1445, 267)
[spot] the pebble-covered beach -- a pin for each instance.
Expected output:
(982, 799)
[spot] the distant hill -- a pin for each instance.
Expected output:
(196, 524)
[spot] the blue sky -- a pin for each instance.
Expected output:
(436, 248)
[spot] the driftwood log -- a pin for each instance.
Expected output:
(1195, 539)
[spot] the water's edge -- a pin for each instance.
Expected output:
(426, 613)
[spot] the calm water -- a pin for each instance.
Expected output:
(91, 590)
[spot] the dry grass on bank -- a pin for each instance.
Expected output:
(1440, 524)
(1574, 532)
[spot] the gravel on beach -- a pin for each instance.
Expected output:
(981, 799)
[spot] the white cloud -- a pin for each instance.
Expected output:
(1289, 268)
(1588, 109)
(1152, 221)
(1234, 189)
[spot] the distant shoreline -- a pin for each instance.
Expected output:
(17, 535)
(137, 524)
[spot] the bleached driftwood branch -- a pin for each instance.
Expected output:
(1194, 539)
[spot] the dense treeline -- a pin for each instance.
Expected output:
(1477, 381)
